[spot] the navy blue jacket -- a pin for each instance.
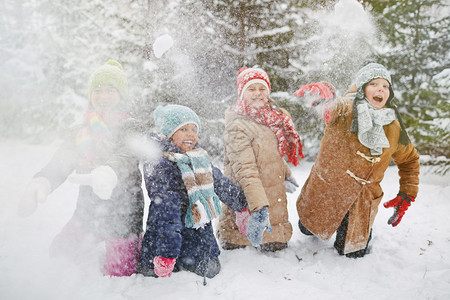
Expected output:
(166, 234)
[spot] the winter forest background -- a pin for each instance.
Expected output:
(49, 48)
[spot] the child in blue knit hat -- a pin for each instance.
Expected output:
(184, 189)
(110, 204)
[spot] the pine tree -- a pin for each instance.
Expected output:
(216, 38)
(418, 35)
(55, 50)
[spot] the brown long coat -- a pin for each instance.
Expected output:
(252, 161)
(346, 178)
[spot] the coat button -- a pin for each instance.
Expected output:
(279, 199)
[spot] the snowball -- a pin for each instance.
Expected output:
(162, 44)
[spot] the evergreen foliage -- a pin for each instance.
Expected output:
(49, 48)
(417, 35)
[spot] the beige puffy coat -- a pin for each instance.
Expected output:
(346, 177)
(252, 161)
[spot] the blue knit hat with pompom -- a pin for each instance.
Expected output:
(170, 118)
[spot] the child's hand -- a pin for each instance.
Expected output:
(102, 179)
(319, 92)
(319, 95)
(291, 184)
(242, 218)
(401, 204)
(258, 223)
(36, 191)
(164, 266)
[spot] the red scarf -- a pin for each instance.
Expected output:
(289, 142)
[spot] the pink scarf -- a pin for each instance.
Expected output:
(289, 142)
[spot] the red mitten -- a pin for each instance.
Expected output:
(164, 266)
(242, 218)
(401, 204)
(321, 93)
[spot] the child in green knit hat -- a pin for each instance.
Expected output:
(110, 200)
(107, 88)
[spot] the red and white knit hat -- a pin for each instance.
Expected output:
(248, 76)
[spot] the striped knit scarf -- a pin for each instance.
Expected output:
(196, 172)
(94, 140)
(289, 142)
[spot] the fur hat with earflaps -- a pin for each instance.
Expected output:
(365, 75)
(112, 74)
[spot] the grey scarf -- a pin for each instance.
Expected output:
(370, 126)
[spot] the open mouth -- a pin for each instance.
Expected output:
(378, 98)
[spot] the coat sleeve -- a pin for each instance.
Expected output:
(124, 159)
(340, 107)
(62, 164)
(164, 216)
(238, 146)
(228, 192)
(407, 160)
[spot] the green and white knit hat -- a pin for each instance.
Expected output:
(112, 74)
(170, 118)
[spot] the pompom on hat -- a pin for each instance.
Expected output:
(248, 76)
(170, 118)
(112, 74)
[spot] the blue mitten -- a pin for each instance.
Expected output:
(258, 223)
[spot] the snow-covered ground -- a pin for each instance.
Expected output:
(411, 261)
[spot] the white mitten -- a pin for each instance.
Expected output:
(291, 184)
(36, 191)
(102, 179)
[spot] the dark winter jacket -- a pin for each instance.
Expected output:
(166, 234)
(118, 217)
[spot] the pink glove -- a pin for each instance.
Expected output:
(164, 266)
(242, 218)
(401, 204)
(323, 93)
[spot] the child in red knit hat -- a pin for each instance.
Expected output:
(258, 135)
